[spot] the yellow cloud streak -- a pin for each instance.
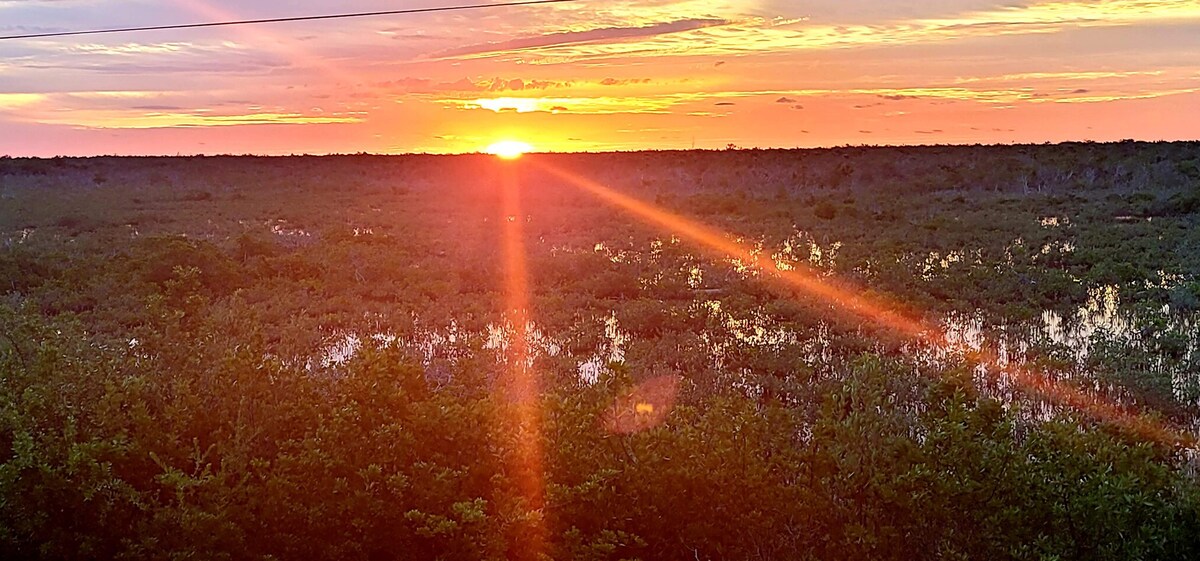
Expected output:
(661, 104)
(1100, 98)
(133, 48)
(1065, 76)
(123, 120)
(119, 94)
(17, 100)
(590, 105)
(762, 35)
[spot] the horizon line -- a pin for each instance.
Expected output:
(480, 152)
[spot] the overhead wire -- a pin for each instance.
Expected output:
(347, 15)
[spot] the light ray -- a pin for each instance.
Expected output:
(281, 44)
(854, 302)
(521, 384)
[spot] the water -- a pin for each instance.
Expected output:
(1104, 323)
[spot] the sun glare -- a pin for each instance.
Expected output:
(509, 149)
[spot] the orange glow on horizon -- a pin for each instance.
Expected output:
(509, 149)
(607, 78)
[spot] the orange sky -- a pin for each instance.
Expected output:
(597, 75)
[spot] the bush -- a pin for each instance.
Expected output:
(825, 210)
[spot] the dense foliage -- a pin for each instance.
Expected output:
(297, 358)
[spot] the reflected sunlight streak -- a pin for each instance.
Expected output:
(854, 302)
(521, 385)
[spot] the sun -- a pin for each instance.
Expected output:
(509, 149)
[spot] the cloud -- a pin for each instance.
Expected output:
(409, 85)
(132, 109)
(18, 100)
(222, 57)
(213, 67)
(518, 84)
(742, 35)
(683, 102)
(601, 35)
(1059, 76)
(585, 105)
(123, 120)
(131, 48)
(624, 82)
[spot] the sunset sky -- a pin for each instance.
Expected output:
(596, 75)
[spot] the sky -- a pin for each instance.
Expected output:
(596, 75)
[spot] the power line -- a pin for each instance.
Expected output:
(283, 20)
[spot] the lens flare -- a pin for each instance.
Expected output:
(643, 407)
(509, 149)
(853, 302)
(520, 383)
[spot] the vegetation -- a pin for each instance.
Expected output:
(304, 358)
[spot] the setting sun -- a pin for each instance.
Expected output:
(866, 278)
(509, 149)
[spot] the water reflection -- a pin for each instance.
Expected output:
(612, 351)
(281, 228)
(1102, 324)
(1060, 344)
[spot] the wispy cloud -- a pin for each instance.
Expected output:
(1058, 76)
(132, 48)
(499, 84)
(104, 119)
(680, 102)
(600, 35)
(749, 35)
(1006, 96)
(223, 56)
(146, 110)
(18, 100)
(579, 105)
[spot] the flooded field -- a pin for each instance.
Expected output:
(815, 339)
